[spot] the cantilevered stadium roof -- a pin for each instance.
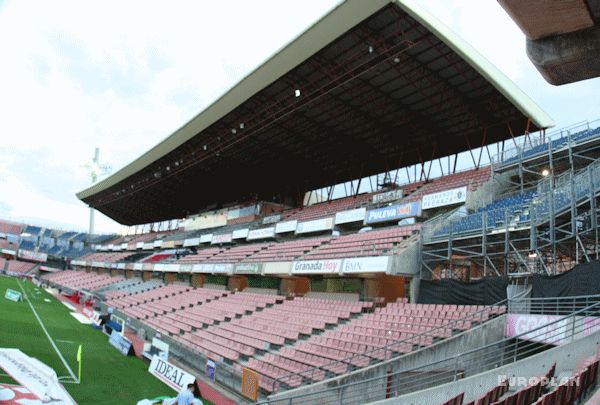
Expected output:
(373, 85)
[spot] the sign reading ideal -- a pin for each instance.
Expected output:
(171, 375)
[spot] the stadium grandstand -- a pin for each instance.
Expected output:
(291, 244)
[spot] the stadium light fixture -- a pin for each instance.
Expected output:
(370, 48)
(204, 147)
(241, 125)
(396, 60)
(532, 255)
(233, 131)
(545, 172)
(297, 92)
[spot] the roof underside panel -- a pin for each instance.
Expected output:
(387, 93)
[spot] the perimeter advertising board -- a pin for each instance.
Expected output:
(170, 374)
(316, 267)
(443, 198)
(373, 264)
(393, 213)
(316, 225)
(263, 233)
(346, 217)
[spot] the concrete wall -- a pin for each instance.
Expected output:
(365, 392)
(197, 280)
(565, 356)
(238, 283)
(382, 285)
(298, 286)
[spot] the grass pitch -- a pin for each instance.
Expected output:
(107, 376)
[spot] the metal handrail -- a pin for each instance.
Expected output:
(565, 132)
(489, 356)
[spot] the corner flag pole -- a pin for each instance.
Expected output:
(79, 361)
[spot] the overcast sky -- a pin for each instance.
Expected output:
(125, 75)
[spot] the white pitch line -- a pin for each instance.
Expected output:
(48, 335)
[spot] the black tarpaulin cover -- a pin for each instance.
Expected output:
(583, 279)
(486, 291)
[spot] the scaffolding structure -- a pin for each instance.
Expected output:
(556, 229)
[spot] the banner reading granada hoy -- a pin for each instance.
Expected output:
(171, 375)
(316, 267)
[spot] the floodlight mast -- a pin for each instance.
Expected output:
(95, 169)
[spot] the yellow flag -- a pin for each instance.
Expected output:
(79, 354)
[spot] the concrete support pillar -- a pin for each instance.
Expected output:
(169, 278)
(296, 286)
(386, 286)
(197, 280)
(415, 282)
(238, 283)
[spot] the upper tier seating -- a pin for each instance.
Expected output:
(158, 256)
(201, 256)
(238, 253)
(554, 144)
(327, 208)
(285, 251)
(513, 208)
(371, 243)
(107, 257)
(5, 244)
(10, 227)
(18, 267)
(147, 296)
(471, 178)
(144, 237)
(27, 244)
(120, 291)
(32, 230)
(76, 280)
